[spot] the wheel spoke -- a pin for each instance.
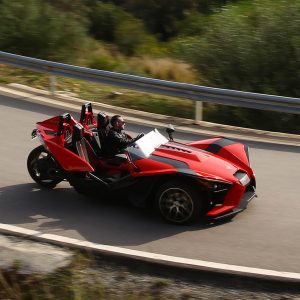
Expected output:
(176, 205)
(184, 209)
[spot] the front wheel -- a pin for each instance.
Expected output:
(179, 203)
(43, 168)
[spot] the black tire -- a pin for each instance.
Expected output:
(43, 168)
(179, 203)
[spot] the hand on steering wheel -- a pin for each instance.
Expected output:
(139, 136)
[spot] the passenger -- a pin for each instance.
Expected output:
(117, 139)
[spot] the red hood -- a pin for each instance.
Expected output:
(202, 162)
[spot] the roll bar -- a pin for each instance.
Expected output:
(64, 118)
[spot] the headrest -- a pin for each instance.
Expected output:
(102, 120)
(78, 132)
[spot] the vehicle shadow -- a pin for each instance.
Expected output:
(62, 211)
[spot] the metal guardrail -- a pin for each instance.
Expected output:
(182, 90)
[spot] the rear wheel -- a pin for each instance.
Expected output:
(179, 203)
(43, 168)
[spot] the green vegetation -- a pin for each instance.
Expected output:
(251, 46)
(103, 93)
(244, 45)
(34, 28)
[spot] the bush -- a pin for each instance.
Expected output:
(162, 17)
(165, 69)
(102, 62)
(112, 24)
(132, 38)
(104, 18)
(37, 29)
(253, 46)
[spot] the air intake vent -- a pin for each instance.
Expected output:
(176, 148)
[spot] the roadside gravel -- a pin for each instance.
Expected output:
(121, 279)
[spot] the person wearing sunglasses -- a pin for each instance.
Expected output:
(118, 140)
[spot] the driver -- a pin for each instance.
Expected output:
(117, 139)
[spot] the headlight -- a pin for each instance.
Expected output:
(214, 185)
(242, 177)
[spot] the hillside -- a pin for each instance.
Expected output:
(243, 45)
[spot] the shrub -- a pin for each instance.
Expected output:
(166, 69)
(253, 46)
(102, 62)
(37, 29)
(131, 36)
(104, 18)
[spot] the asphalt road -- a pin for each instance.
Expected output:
(266, 235)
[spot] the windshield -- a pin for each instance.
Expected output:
(146, 145)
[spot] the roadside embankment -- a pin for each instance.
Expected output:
(46, 271)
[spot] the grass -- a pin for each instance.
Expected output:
(102, 93)
(165, 105)
(164, 68)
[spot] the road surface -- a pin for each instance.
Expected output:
(266, 235)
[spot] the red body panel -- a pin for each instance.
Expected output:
(231, 200)
(151, 167)
(233, 152)
(54, 143)
(203, 163)
(68, 160)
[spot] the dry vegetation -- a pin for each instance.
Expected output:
(102, 93)
(88, 278)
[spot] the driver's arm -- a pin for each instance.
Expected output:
(120, 139)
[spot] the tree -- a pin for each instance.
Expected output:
(162, 17)
(37, 29)
(254, 46)
(111, 23)
(131, 37)
(104, 18)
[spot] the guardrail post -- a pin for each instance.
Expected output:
(198, 111)
(52, 84)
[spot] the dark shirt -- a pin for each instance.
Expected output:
(117, 141)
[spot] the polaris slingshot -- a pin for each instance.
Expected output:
(209, 178)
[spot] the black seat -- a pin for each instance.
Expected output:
(102, 129)
(81, 145)
(96, 142)
(102, 121)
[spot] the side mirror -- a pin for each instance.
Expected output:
(170, 129)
